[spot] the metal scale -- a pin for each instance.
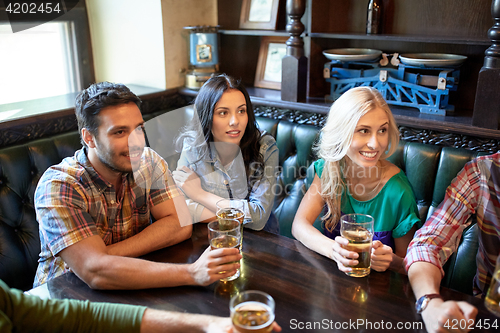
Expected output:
(420, 80)
(203, 55)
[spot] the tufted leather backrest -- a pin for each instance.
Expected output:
(21, 167)
(430, 170)
(295, 144)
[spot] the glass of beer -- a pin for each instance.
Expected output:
(227, 237)
(231, 209)
(492, 300)
(358, 230)
(252, 311)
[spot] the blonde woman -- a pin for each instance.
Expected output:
(353, 176)
(210, 171)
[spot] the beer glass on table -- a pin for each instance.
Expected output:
(252, 311)
(358, 230)
(231, 209)
(492, 300)
(228, 236)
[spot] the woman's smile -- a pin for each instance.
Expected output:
(369, 155)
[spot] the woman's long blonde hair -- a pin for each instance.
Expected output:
(336, 138)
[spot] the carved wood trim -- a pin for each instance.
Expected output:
(409, 134)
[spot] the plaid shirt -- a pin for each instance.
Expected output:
(474, 193)
(73, 202)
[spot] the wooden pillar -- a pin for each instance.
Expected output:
(294, 64)
(487, 104)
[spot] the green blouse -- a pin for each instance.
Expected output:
(25, 313)
(394, 208)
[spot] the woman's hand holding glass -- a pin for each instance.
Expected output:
(381, 257)
(343, 257)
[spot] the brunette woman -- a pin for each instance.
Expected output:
(226, 156)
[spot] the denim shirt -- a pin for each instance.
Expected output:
(213, 176)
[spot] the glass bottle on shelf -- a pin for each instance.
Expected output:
(374, 16)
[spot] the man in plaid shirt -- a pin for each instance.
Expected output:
(473, 194)
(95, 208)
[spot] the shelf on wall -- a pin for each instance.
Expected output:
(254, 32)
(402, 38)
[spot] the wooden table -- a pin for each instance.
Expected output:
(307, 287)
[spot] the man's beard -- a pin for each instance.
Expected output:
(107, 160)
(112, 167)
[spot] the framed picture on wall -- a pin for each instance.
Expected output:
(272, 51)
(259, 14)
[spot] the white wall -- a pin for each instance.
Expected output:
(143, 42)
(176, 15)
(127, 41)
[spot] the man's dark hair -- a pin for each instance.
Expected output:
(97, 97)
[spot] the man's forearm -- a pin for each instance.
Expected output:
(162, 233)
(115, 272)
(425, 278)
(163, 321)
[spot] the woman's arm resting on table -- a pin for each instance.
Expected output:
(303, 229)
(190, 184)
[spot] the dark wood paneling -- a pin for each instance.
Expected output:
(240, 55)
(460, 18)
(229, 14)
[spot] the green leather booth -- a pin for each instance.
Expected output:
(429, 168)
(21, 167)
